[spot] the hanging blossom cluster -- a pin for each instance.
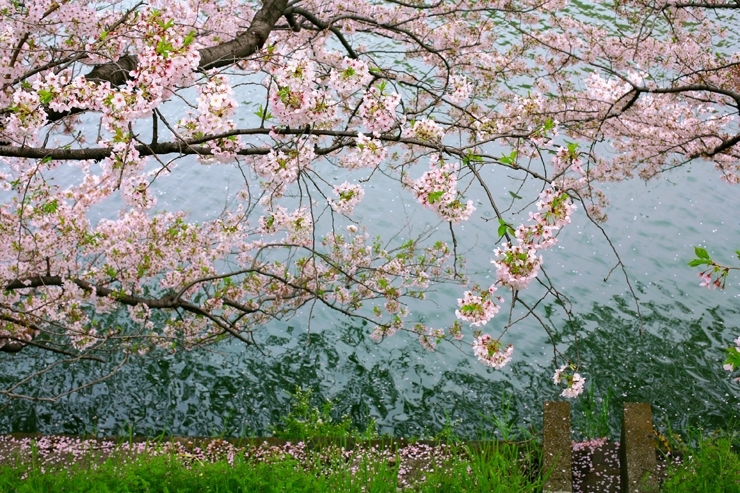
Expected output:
(380, 332)
(429, 337)
(425, 130)
(437, 190)
(216, 106)
(515, 268)
(348, 196)
(567, 159)
(368, 153)
(297, 100)
(478, 310)
(352, 75)
(378, 109)
(491, 352)
(460, 89)
(517, 265)
(27, 117)
(283, 166)
(574, 382)
(294, 95)
(297, 225)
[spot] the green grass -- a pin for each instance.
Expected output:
(169, 474)
(498, 467)
(62, 464)
(711, 464)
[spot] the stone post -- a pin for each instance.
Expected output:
(557, 448)
(637, 450)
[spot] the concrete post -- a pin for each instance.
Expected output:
(557, 448)
(637, 450)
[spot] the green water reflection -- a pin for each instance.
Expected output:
(675, 364)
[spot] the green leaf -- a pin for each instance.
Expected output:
(164, 48)
(471, 158)
(504, 227)
(50, 207)
(514, 195)
(701, 253)
(189, 38)
(435, 196)
(737, 252)
(263, 113)
(510, 159)
(699, 261)
(45, 96)
(733, 357)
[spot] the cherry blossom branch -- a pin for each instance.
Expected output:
(245, 44)
(21, 343)
(10, 394)
(622, 268)
(323, 26)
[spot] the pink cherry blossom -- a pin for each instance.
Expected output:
(573, 381)
(378, 109)
(436, 189)
(352, 75)
(368, 152)
(348, 196)
(490, 351)
(478, 309)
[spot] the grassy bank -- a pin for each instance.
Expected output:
(707, 464)
(353, 461)
(350, 461)
(170, 467)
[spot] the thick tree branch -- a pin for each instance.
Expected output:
(224, 54)
(192, 147)
(102, 291)
(170, 301)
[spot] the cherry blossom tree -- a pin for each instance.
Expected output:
(437, 96)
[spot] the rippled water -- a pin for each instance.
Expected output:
(675, 364)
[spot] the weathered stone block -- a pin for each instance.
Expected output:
(557, 448)
(637, 451)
